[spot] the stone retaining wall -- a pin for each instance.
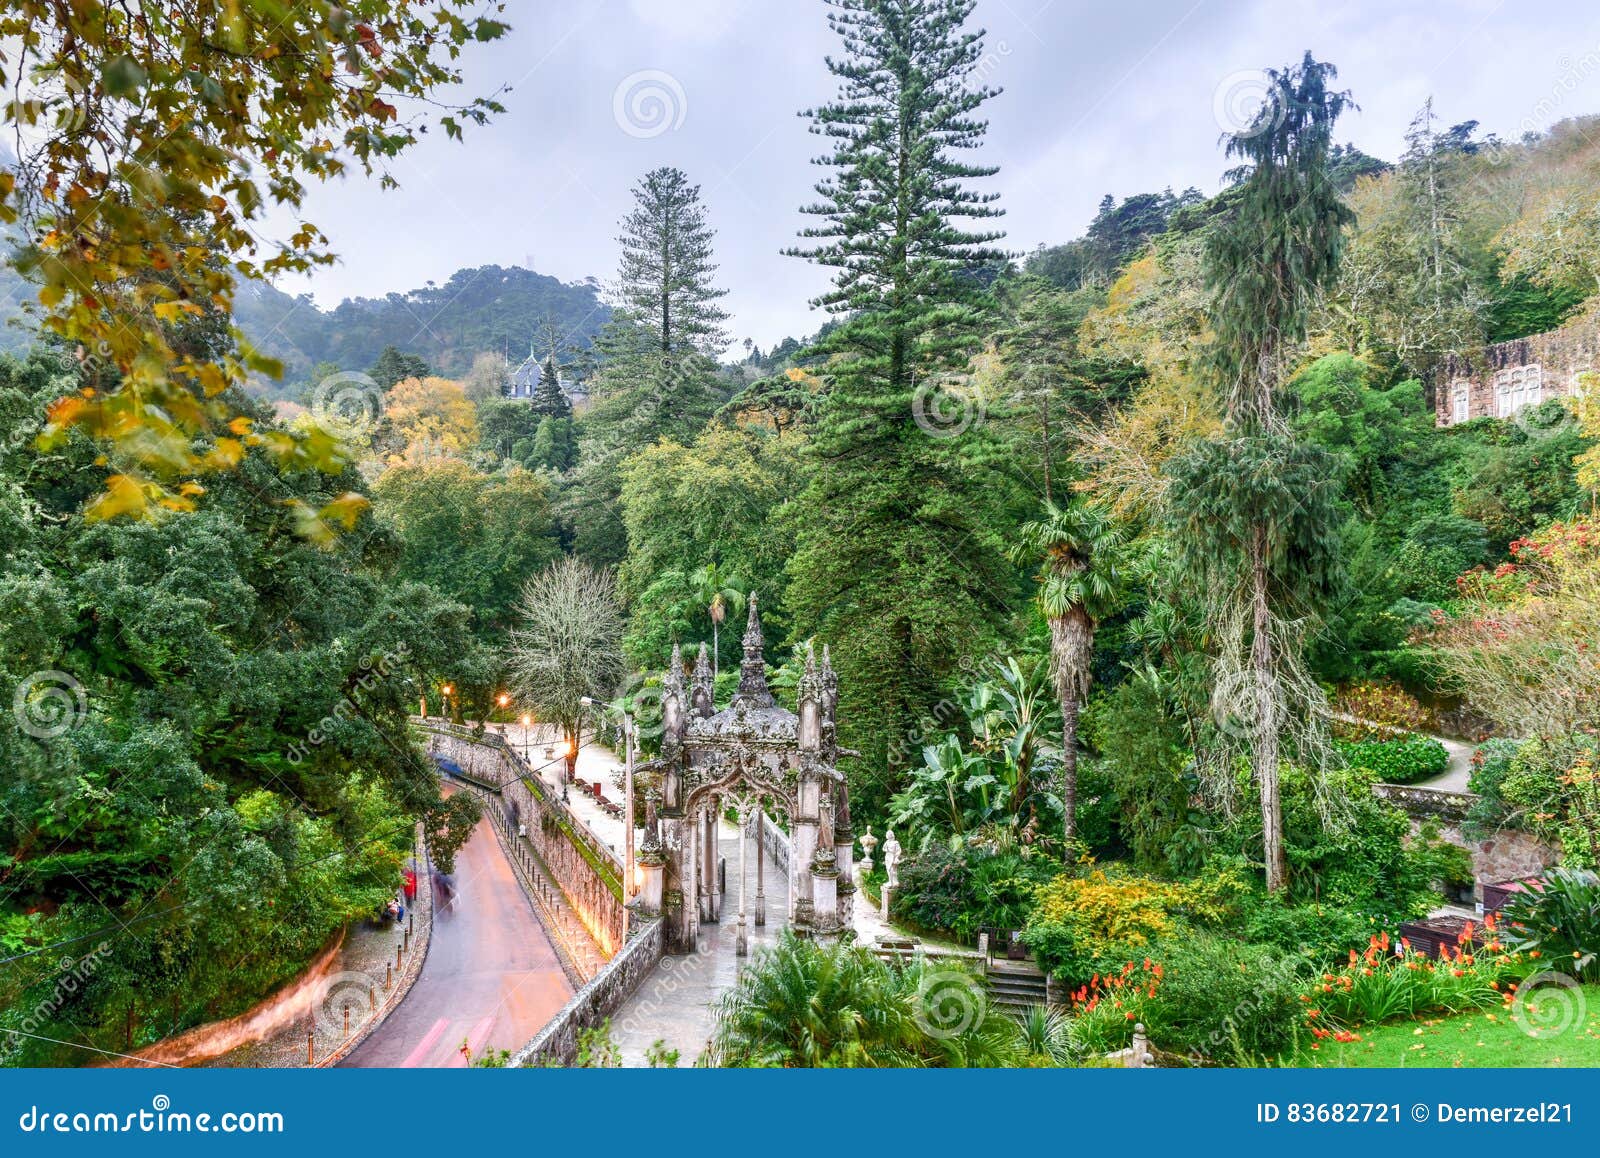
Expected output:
(582, 866)
(1504, 855)
(557, 1043)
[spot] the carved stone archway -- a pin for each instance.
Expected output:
(750, 752)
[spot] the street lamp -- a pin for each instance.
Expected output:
(525, 722)
(630, 885)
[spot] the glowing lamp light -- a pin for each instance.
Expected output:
(502, 699)
(448, 690)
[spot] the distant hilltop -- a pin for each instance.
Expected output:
(488, 309)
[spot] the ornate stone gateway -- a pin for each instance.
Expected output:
(750, 756)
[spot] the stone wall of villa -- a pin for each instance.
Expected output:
(1528, 370)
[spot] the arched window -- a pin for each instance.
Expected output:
(1517, 387)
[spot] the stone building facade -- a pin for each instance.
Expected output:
(1502, 379)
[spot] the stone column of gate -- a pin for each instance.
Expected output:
(708, 842)
(701, 884)
(803, 844)
(761, 864)
(742, 943)
(715, 835)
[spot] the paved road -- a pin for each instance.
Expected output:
(1456, 776)
(491, 979)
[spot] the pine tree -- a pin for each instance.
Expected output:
(667, 267)
(894, 563)
(548, 398)
(395, 366)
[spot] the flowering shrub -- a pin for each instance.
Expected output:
(1083, 925)
(1390, 980)
(1105, 1010)
(1559, 918)
(1207, 997)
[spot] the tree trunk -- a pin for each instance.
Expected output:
(1266, 737)
(1072, 648)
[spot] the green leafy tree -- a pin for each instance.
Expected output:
(1077, 548)
(472, 536)
(153, 140)
(893, 556)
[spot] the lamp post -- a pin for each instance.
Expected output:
(525, 722)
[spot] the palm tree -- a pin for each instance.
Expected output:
(719, 593)
(804, 1004)
(1078, 549)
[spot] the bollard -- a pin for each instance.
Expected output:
(311, 1047)
(347, 1020)
(372, 998)
(397, 956)
(410, 917)
(388, 977)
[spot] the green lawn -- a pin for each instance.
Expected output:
(1489, 1038)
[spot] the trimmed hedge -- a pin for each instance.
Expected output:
(1405, 760)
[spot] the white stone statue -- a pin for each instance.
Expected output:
(891, 858)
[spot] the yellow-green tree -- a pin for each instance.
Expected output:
(152, 141)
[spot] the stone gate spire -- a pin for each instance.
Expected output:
(702, 695)
(753, 671)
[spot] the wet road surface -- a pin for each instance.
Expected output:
(491, 979)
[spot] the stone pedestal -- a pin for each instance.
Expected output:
(652, 879)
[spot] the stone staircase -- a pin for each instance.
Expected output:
(1017, 984)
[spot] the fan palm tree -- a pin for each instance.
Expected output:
(1078, 550)
(719, 593)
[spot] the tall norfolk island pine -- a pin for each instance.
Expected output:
(1254, 507)
(894, 563)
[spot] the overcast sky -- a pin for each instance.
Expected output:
(1099, 98)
